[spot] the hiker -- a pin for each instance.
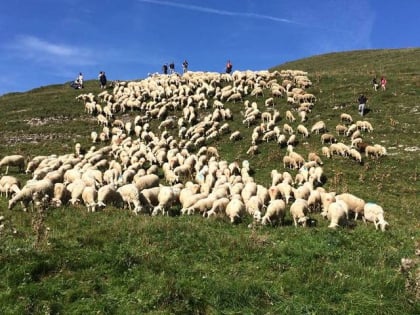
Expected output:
(185, 66)
(383, 83)
(172, 67)
(375, 84)
(165, 68)
(80, 80)
(362, 103)
(228, 67)
(102, 79)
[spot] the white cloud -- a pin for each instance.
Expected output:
(39, 50)
(220, 12)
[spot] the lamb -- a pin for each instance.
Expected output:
(13, 160)
(275, 213)
(374, 213)
(299, 210)
(89, 197)
(354, 204)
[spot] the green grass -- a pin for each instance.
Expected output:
(111, 262)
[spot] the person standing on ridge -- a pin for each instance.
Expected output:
(185, 66)
(102, 79)
(229, 67)
(172, 67)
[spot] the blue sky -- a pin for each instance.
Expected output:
(47, 42)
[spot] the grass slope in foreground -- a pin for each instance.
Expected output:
(113, 263)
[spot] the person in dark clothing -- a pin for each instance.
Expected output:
(102, 79)
(165, 68)
(172, 67)
(229, 67)
(375, 84)
(185, 66)
(362, 103)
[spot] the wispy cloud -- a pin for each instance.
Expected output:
(35, 48)
(220, 12)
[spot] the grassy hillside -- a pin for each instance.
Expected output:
(68, 261)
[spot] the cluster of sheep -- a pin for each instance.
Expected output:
(160, 172)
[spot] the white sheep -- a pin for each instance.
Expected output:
(32, 189)
(130, 196)
(89, 197)
(8, 185)
(375, 213)
(219, 207)
(235, 210)
(61, 195)
(354, 204)
(299, 211)
(108, 194)
(275, 213)
(13, 160)
(236, 135)
(168, 196)
(336, 214)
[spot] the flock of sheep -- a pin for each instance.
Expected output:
(176, 168)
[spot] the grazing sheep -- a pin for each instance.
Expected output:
(61, 195)
(13, 160)
(275, 213)
(328, 138)
(89, 197)
(318, 127)
(336, 214)
(236, 135)
(299, 211)
(108, 194)
(219, 206)
(253, 149)
(8, 185)
(303, 131)
(374, 213)
(354, 204)
(235, 210)
(130, 196)
(289, 116)
(346, 118)
(40, 188)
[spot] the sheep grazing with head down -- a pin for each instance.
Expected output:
(235, 209)
(275, 213)
(299, 211)
(374, 213)
(354, 204)
(336, 213)
(13, 160)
